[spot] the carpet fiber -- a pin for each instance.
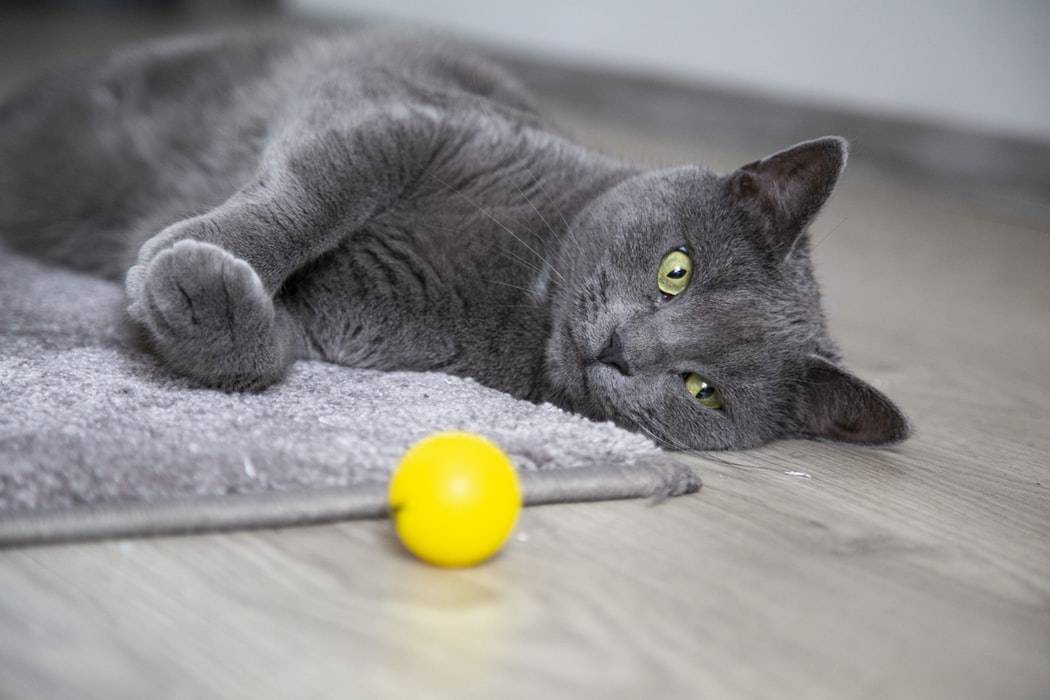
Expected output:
(86, 417)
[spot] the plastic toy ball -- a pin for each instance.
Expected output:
(454, 499)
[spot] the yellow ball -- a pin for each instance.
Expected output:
(454, 498)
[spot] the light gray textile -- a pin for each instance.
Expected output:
(85, 418)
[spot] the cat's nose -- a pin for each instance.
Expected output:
(612, 354)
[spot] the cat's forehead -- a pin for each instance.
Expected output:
(685, 200)
(670, 194)
(684, 207)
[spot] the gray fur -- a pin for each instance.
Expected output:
(390, 201)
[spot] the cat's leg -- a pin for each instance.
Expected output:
(204, 288)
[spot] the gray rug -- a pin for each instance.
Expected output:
(89, 419)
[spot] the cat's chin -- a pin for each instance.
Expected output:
(579, 388)
(602, 385)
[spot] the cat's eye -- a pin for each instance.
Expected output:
(675, 270)
(705, 392)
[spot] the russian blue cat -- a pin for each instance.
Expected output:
(392, 201)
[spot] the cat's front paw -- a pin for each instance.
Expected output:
(208, 316)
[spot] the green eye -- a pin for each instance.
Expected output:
(675, 270)
(704, 391)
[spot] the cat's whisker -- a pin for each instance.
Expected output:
(503, 226)
(538, 213)
(568, 230)
(490, 104)
(675, 445)
(507, 284)
(652, 436)
(528, 265)
(427, 173)
(538, 270)
(826, 235)
(665, 440)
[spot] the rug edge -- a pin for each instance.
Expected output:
(658, 478)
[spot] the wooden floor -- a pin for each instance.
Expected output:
(801, 569)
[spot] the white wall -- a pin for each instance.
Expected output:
(977, 64)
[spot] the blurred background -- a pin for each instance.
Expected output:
(952, 92)
(981, 65)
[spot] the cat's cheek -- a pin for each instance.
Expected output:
(558, 361)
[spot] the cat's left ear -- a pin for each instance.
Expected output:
(836, 405)
(787, 189)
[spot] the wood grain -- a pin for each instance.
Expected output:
(801, 569)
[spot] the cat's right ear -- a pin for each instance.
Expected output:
(787, 189)
(836, 405)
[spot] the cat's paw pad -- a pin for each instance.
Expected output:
(164, 241)
(206, 313)
(195, 285)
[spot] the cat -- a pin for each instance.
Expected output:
(389, 200)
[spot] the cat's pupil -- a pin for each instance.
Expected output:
(705, 391)
(677, 273)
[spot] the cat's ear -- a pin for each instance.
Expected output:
(837, 405)
(787, 189)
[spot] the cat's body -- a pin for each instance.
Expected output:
(392, 202)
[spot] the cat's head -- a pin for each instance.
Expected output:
(689, 310)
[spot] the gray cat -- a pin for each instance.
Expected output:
(391, 201)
